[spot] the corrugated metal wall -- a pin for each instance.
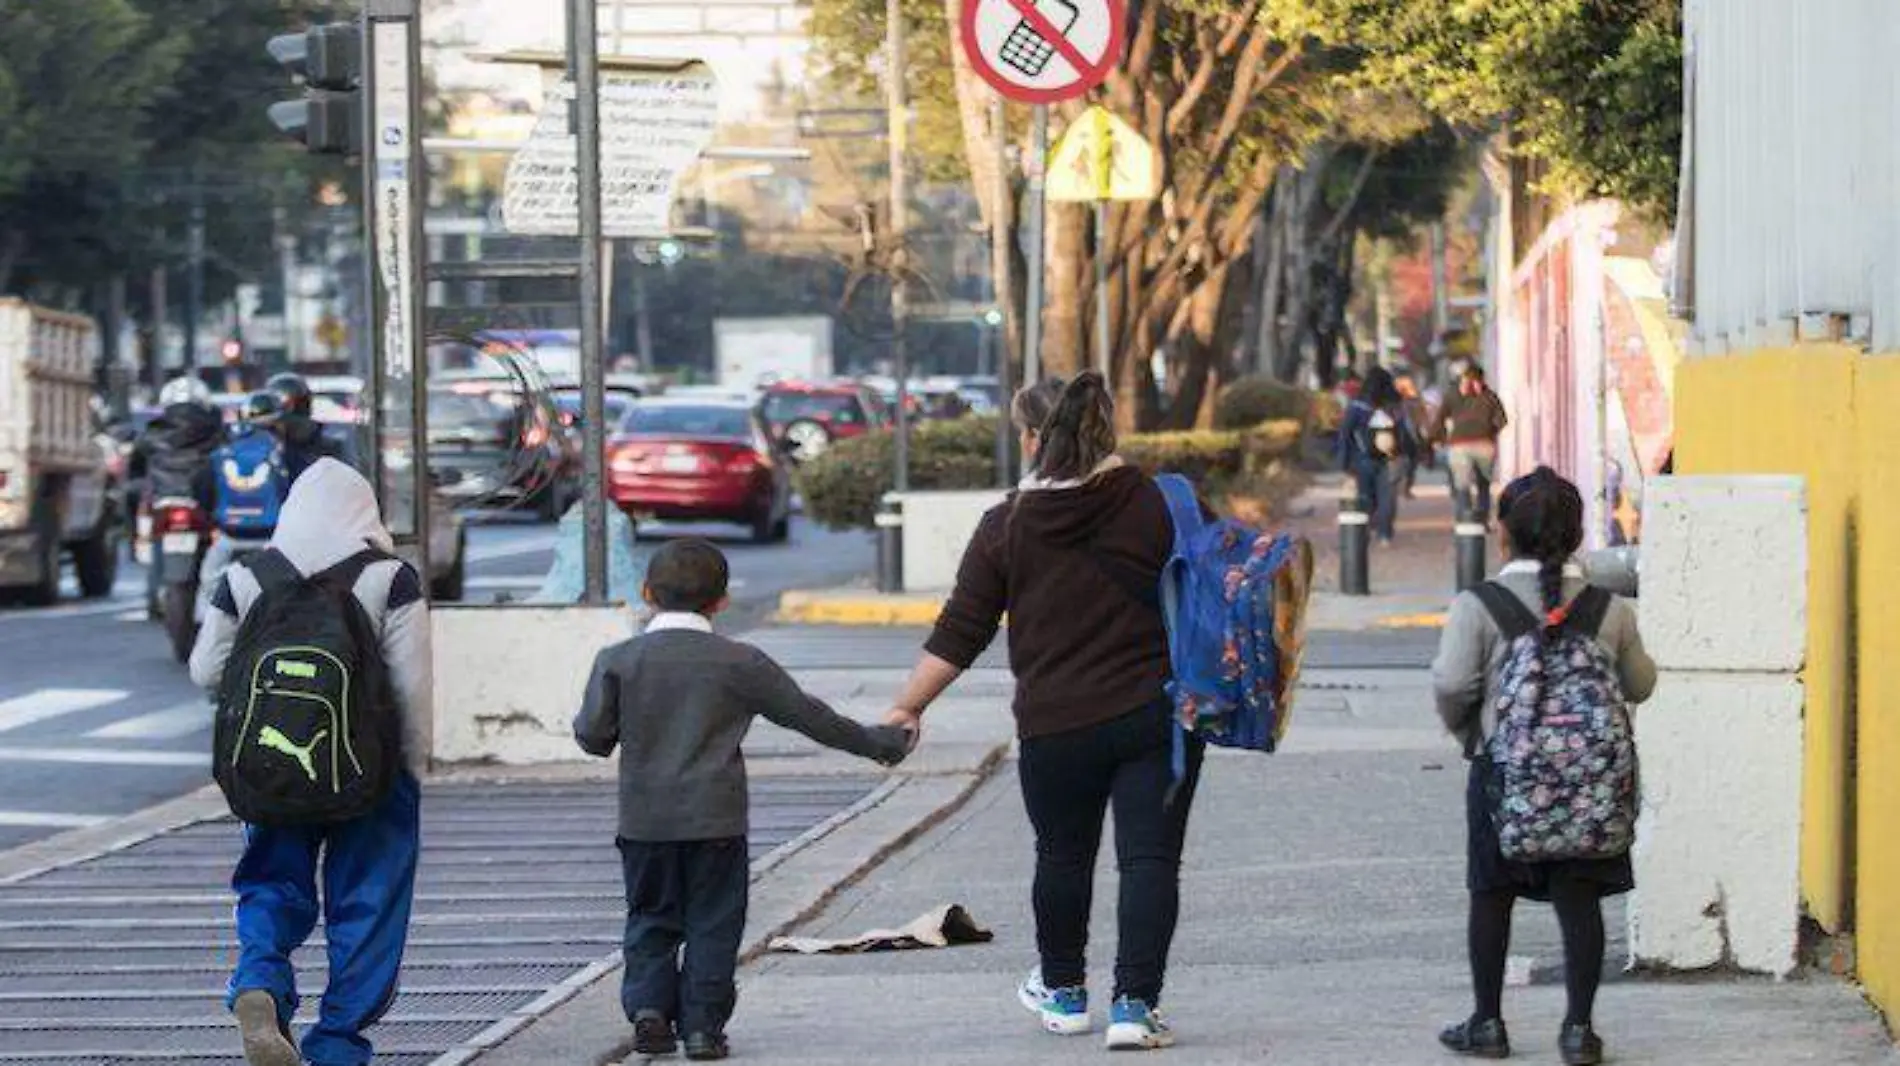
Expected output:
(1796, 168)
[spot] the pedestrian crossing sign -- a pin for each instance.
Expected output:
(1101, 157)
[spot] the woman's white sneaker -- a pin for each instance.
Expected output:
(1135, 1026)
(1062, 1011)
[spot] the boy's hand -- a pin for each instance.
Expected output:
(897, 744)
(910, 722)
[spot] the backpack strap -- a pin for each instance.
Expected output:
(346, 574)
(1184, 512)
(1512, 617)
(272, 570)
(1587, 612)
(1184, 507)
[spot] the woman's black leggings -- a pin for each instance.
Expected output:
(1069, 781)
(1579, 915)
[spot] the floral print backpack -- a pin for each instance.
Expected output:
(1564, 753)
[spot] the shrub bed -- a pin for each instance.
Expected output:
(842, 488)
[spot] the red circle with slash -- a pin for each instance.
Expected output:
(1043, 51)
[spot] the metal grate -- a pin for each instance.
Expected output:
(123, 959)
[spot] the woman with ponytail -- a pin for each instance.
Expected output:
(1541, 515)
(1074, 558)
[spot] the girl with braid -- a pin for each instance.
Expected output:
(1542, 519)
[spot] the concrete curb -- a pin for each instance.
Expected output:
(791, 886)
(83, 845)
(867, 608)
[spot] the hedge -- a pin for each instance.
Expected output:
(1252, 400)
(842, 488)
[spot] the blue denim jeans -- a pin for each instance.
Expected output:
(368, 868)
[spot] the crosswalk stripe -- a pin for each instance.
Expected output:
(53, 702)
(168, 724)
(48, 820)
(106, 756)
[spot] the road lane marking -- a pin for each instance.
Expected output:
(107, 757)
(48, 820)
(52, 703)
(172, 723)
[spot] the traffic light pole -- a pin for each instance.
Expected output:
(394, 196)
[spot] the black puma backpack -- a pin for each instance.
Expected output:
(308, 729)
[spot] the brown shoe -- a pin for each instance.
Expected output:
(266, 1039)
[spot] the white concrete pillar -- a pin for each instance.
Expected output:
(1724, 613)
(509, 680)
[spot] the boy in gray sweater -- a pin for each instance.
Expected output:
(678, 702)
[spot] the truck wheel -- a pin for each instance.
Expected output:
(45, 591)
(452, 585)
(97, 562)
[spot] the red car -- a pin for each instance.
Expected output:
(700, 461)
(808, 418)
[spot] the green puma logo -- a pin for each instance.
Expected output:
(269, 737)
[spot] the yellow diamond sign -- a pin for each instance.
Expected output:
(1101, 157)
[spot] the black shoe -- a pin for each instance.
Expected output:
(653, 1034)
(1580, 1045)
(1480, 1040)
(707, 1047)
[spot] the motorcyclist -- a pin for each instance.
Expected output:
(303, 437)
(250, 479)
(173, 455)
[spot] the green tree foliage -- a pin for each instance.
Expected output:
(117, 115)
(1592, 89)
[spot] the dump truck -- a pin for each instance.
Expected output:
(56, 484)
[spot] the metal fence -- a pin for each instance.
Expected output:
(1794, 171)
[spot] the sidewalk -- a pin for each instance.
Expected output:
(1323, 925)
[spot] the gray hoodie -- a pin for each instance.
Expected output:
(331, 515)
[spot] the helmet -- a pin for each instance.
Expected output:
(292, 393)
(184, 389)
(262, 408)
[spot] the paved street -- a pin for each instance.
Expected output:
(97, 721)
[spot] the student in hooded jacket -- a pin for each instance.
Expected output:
(1542, 519)
(1064, 558)
(368, 866)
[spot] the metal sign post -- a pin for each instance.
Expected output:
(1040, 52)
(586, 77)
(1034, 211)
(394, 201)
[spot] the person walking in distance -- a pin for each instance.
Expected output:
(1376, 441)
(1470, 423)
(285, 614)
(1535, 674)
(677, 702)
(1074, 558)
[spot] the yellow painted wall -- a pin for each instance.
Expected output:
(1877, 881)
(1826, 412)
(1791, 411)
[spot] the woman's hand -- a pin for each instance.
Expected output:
(909, 721)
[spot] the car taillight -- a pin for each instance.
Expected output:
(743, 462)
(537, 435)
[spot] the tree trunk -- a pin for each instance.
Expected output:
(1273, 279)
(1065, 342)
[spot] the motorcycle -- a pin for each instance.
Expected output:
(178, 538)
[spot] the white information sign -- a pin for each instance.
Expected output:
(390, 145)
(652, 128)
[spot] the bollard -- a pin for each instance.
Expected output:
(1468, 540)
(890, 544)
(1355, 548)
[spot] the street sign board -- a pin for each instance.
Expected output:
(653, 126)
(1043, 51)
(1101, 157)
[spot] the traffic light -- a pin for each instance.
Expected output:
(328, 60)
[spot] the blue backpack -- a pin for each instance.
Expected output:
(252, 481)
(1234, 599)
